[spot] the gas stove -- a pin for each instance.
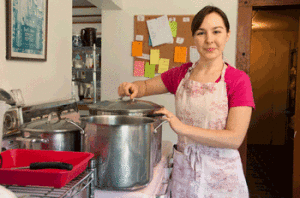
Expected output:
(12, 121)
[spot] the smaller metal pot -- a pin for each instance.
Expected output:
(58, 135)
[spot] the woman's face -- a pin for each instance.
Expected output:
(211, 37)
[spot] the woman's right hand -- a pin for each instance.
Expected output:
(128, 89)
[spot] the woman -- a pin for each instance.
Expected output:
(214, 103)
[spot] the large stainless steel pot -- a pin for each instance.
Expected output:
(121, 145)
(135, 107)
(58, 135)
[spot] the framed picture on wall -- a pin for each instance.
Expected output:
(26, 30)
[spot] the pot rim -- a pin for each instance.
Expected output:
(25, 128)
(151, 120)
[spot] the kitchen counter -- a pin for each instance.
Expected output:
(83, 107)
(83, 104)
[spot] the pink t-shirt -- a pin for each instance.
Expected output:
(238, 85)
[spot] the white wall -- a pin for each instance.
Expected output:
(47, 81)
(117, 34)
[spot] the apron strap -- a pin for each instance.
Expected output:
(187, 75)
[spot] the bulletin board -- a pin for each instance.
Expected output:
(166, 50)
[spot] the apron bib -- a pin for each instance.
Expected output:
(201, 171)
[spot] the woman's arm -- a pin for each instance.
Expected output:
(231, 137)
(139, 89)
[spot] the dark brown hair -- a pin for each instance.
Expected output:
(199, 17)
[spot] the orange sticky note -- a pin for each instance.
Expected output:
(137, 48)
(180, 54)
(138, 68)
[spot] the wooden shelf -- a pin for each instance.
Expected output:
(84, 22)
(87, 18)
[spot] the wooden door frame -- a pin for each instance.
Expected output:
(243, 48)
(245, 8)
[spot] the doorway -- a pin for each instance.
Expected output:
(274, 40)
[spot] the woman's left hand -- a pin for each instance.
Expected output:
(174, 122)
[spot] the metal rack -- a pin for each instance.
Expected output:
(77, 186)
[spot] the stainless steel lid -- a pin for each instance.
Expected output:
(129, 106)
(53, 126)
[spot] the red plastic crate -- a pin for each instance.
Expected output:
(44, 177)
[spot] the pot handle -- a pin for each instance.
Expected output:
(74, 123)
(82, 132)
(32, 140)
(155, 115)
(155, 130)
(130, 91)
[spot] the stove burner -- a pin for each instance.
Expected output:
(11, 121)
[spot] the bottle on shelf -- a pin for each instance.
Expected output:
(89, 61)
(78, 63)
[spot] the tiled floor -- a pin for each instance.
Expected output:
(269, 171)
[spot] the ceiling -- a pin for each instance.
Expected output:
(82, 3)
(85, 12)
(287, 20)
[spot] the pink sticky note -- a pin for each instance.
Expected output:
(138, 68)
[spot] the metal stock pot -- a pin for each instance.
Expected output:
(135, 107)
(58, 135)
(122, 148)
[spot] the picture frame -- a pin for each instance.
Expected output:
(26, 30)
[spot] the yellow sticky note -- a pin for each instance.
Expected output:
(173, 26)
(163, 65)
(154, 56)
(180, 54)
(137, 48)
(149, 70)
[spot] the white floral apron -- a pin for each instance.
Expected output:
(201, 171)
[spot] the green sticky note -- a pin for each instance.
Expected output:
(173, 26)
(149, 70)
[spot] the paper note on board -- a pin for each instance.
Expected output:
(137, 48)
(139, 37)
(163, 65)
(149, 70)
(179, 40)
(194, 54)
(154, 56)
(186, 19)
(180, 54)
(140, 18)
(173, 26)
(144, 56)
(159, 31)
(138, 68)
(172, 19)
